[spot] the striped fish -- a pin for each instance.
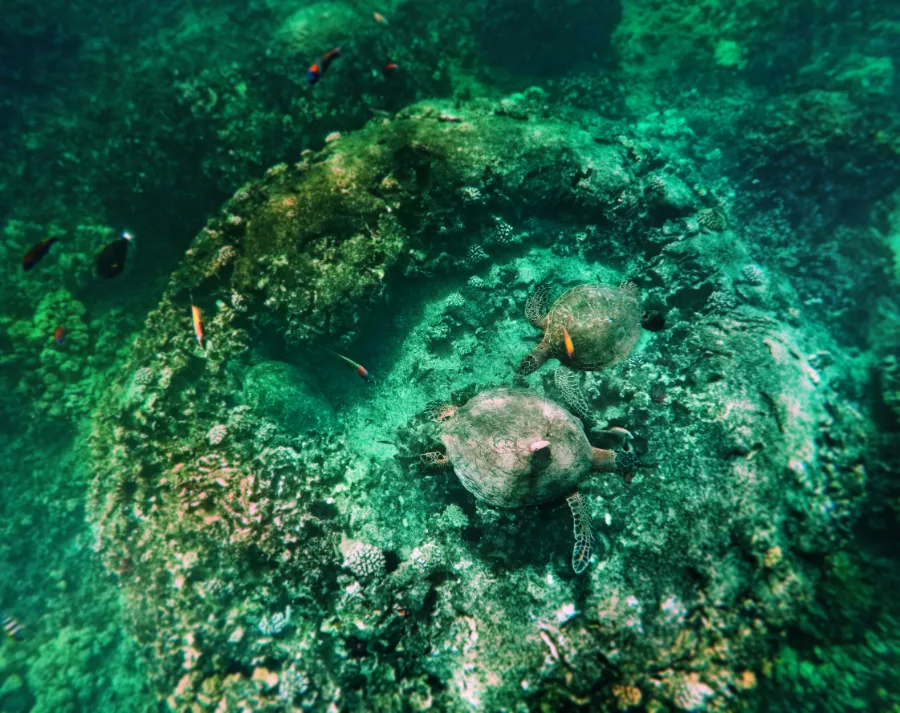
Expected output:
(13, 628)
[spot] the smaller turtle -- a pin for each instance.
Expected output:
(589, 327)
(512, 448)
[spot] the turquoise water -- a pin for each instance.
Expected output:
(515, 357)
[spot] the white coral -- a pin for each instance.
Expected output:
(364, 560)
(692, 693)
(217, 434)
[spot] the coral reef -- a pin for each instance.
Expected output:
(283, 536)
(343, 528)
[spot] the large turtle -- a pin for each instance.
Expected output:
(589, 327)
(512, 448)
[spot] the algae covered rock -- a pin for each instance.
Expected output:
(285, 395)
(320, 26)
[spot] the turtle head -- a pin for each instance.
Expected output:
(439, 411)
(604, 460)
(533, 361)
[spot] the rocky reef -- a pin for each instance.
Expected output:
(273, 560)
(262, 522)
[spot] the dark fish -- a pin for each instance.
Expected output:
(13, 628)
(390, 68)
(111, 260)
(317, 69)
(36, 253)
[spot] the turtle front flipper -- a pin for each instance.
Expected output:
(567, 384)
(584, 535)
(537, 306)
(534, 359)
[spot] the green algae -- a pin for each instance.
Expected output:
(283, 394)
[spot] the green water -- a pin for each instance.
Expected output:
(402, 466)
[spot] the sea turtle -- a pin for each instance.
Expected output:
(588, 327)
(512, 448)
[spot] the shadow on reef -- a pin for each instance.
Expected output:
(547, 38)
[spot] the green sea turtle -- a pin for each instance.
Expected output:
(588, 327)
(512, 448)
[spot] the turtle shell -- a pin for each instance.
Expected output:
(603, 322)
(496, 447)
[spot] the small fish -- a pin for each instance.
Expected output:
(36, 253)
(329, 57)
(390, 68)
(361, 371)
(111, 260)
(13, 628)
(197, 316)
(317, 69)
(619, 432)
(380, 112)
(59, 334)
(379, 18)
(567, 343)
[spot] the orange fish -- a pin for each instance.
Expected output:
(198, 322)
(379, 18)
(390, 68)
(59, 334)
(567, 342)
(360, 370)
(36, 253)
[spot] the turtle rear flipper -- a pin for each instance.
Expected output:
(584, 535)
(537, 307)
